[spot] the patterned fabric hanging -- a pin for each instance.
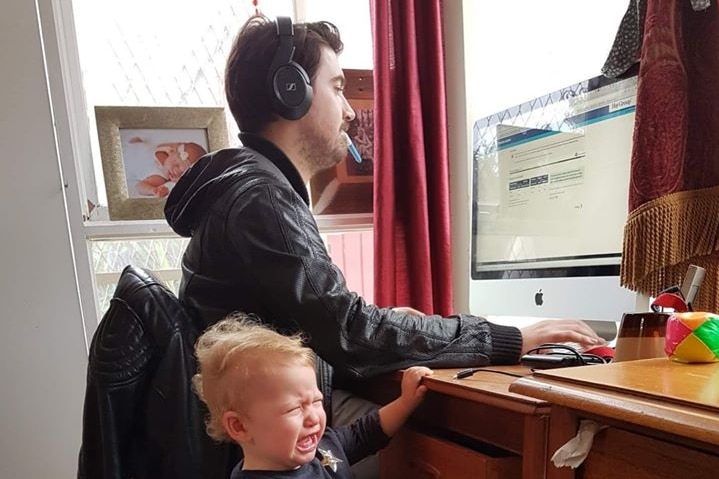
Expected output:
(674, 182)
(628, 42)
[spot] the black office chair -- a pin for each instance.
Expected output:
(141, 418)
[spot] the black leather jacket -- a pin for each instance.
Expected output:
(256, 248)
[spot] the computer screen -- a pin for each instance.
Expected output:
(550, 202)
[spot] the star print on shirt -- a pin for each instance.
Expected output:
(329, 459)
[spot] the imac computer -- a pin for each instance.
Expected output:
(550, 181)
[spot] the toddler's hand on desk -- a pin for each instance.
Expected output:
(412, 391)
(559, 331)
(394, 414)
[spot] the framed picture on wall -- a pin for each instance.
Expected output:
(347, 187)
(145, 150)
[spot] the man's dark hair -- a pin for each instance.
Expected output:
(248, 94)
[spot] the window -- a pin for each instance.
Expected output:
(173, 53)
(524, 49)
(352, 252)
(110, 256)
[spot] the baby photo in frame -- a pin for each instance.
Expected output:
(145, 150)
(154, 159)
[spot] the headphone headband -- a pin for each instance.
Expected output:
(284, 27)
(286, 50)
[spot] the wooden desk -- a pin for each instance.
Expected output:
(663, 417)
(473, 427)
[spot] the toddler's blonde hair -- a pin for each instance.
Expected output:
(230, 353)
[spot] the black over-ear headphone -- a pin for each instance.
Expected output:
(289, 84)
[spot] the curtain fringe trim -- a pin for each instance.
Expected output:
(663, 236)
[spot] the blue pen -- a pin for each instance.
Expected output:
(352, 148)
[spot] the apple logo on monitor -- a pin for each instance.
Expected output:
(539, 298)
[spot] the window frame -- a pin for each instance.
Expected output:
(74, 143)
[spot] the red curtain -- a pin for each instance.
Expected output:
(674, 185)
(411, 179)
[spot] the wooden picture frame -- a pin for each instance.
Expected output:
(347, 187)
(144, 150)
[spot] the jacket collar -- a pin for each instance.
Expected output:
(279, 159)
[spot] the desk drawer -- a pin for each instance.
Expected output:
(414, 455)
(619, 453)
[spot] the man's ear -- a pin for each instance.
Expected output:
(235, 427)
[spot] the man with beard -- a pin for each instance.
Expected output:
(255, 246)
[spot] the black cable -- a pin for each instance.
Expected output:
(581, 357)
(597, 358)
(563, 351)
(465, 373)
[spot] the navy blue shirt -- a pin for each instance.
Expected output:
(346, 444)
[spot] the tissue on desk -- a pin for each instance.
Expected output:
(575, 451)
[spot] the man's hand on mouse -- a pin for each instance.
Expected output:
(559, 331)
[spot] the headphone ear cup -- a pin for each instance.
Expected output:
(291, 91)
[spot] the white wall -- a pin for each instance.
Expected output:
(459, 146)
(42, 349)
(523, 49)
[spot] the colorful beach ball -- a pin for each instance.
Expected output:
(692, 337)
